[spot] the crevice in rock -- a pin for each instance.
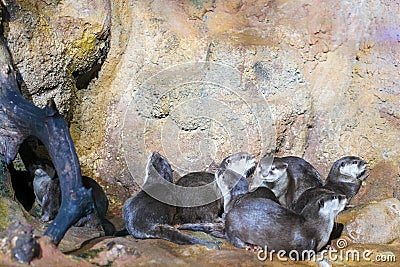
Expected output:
(83, 78)
(30, 151)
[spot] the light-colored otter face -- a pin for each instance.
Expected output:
(329, 208)
(44, 166)
(354, 168)
(232, 175)
(240, 163)
(272, 174)
(41, 174)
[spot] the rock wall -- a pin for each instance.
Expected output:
(325, 74)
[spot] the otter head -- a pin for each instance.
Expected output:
(41, 174)
(45, 166)
(321, 213)
(241, 163)
(271, 173)
(158, 168)
(331, 204)
(231, 176)
(326, 205)
(350, 169)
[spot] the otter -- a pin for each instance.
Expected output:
(265, 223)
(47, 190)
(345, 177)
(288, 177)
(231, 177)
(147, 217)
(201, 214)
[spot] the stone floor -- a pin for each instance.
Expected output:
(81, 247)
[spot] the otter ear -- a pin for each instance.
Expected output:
(285, 165)
(321, 203)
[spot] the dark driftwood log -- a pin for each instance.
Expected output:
(19, 119)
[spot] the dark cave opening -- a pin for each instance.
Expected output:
(22, 174)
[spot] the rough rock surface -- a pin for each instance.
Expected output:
(372, 223)
(326, 71)
(57, 46)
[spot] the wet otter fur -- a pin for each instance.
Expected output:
(147, 217)
(231, 177)
(200, 214)
(47, 190)
(265, 223)
(288, 177)
(345, 177)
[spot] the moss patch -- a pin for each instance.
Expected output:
(5, 182)
(83, 48)
(3, 214)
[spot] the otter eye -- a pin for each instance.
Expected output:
(228, 161)
(273, 168)
(335, 197)
(321, 203)
(243, 157)
(355, 162)
(342, 164)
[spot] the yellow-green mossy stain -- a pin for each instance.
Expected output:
(3, 214)
(81, 49)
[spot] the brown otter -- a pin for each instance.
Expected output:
(288, 177)
(345, 177)
(200, 214)
(256, 221)
(147, 217)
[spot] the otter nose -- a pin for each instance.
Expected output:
(361, 163)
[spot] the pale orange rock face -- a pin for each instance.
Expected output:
(327, 71)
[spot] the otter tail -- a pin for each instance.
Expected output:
(172, 234)
(214, 229)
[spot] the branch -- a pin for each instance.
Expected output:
(19, 119)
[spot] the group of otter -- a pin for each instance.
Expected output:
(292, 210)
